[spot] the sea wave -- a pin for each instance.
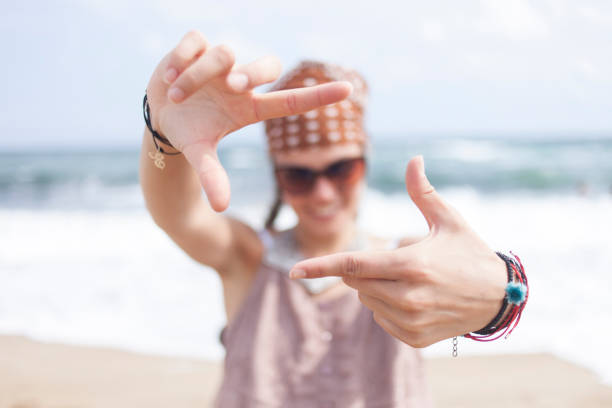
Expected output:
(82, 262)
(111, 277)
(487, 166)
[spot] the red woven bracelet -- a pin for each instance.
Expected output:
(517, 294)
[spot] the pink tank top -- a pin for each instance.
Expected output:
(287, 349)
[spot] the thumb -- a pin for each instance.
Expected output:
(432, 206)
(203, 158)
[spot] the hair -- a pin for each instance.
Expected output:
(323, 72)
(274, 210)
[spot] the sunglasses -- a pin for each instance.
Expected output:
(301, 180)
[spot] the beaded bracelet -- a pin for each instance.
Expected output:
(517, 293)
(158, 156)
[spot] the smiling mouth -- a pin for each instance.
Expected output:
(324, 213)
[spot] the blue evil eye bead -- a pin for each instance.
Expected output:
(516, 292)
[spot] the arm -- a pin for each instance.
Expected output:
(447, 284)
(197, 96)
(174, 199)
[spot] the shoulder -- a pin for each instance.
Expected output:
(247, 252)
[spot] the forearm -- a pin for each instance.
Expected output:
(174, 198)
(174, 194)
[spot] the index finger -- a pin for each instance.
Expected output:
(362, 264)
(298, 100)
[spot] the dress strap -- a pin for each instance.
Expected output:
(266, 238)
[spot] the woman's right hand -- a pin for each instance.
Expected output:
(197, 95)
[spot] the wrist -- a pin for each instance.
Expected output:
(516, 292)
(500, 275)
(158, 139)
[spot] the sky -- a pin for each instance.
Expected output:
(75, 70)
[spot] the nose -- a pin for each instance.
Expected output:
(324, 189)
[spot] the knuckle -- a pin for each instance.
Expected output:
(319, 97)
(421, 302)
(224, 56)
(414, 301)
(419, 274)
(318, 271)
(188, 79)
(406, 302)
(351, 266)
(291, 103)
(429, 190)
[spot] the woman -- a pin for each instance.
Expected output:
(289, 342)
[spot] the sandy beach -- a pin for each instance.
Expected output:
(44, 375)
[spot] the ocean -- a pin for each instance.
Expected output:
(82, 262)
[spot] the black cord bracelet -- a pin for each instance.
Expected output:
(492, 325)
(515, 298)
(146, 112)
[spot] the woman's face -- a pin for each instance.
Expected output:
(329, 206)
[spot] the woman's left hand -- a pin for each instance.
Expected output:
(448, 284)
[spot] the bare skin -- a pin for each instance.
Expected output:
(198, 95)
(212, 104)
(429, 290)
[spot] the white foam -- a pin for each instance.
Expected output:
(114, 279)
(105, 279)
(564, 242)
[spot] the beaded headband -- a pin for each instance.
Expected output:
(341, 122)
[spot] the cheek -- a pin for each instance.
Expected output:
(352, 196)
(295, 202)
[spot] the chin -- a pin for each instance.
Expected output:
(327, 226)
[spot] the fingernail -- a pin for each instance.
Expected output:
(176, 94)
(170, 76)
(237, 81)
(297, 274)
